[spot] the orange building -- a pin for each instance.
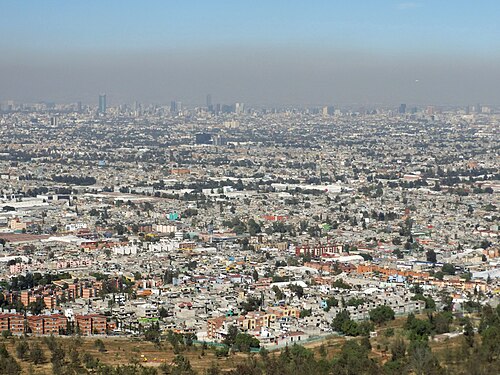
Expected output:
(87, 293)
(25, 297)
(214, 325)
(91, 324)
(50, 301)
(53, 324)
(4, 322)
(35, 324)
(370, 268)
(16, 323)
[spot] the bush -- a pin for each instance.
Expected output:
(222, 352)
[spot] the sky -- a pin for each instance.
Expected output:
(260, 52)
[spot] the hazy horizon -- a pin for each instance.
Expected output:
(283, 53)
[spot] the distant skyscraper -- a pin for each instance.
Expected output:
(209, 101)
(102, 103)
(239, 108)
(173, 107)
(402, 109)
(328, 110)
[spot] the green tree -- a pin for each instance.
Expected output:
(340, 319)
(442, 321)
(232, 333)
(22, 349)
(381, 314)
(490, 347)
(255, 275)
(354, 360)
(8, 364)
(253, 227)
(431, 256)
(469, 334)
(182, 366)
(448, 269)
(153, 333)
(398, 349)
(36, 354)
(244, 342)
(99, 345)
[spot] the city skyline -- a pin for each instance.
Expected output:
(283, 53)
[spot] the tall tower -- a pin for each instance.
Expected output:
(173, 107)
(402, 109)
(102, 103)
(209, 101)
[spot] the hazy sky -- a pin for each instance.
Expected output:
(259, 52)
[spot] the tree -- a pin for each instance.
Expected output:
(182, 366)
(304, 313)
(339, 283)
(431, 256)
(213, 369)
(245, 342)
(340, 319)
(354, 360)
(469, 334)
(297, 289)
(419, 329)
(36, 354)
(232, 332)
(99, 344)
(331, 302)
(36, 307)
(365, 342)
(253, 227)
(8, 364)
(251, 304)
(6, 333)
(442, 321)
(255, 275)
(22, 349)
(448, 269)
(278, 293)
(398, 349)
(153, 333)
(421, 359)
(163, 312)
(490, 346)
(381, 314)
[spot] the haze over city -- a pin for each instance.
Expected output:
(242, 187)
(257, 52)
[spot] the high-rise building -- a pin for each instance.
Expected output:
(209, 101)
(328, 110)
(239, 108)
(402, 109)
(102, 103)
(175, 107)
